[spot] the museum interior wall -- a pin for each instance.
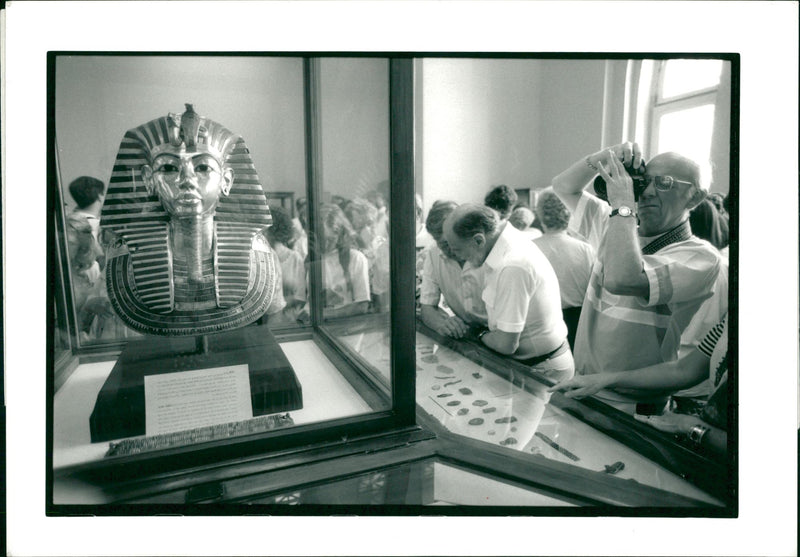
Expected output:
(514, 122)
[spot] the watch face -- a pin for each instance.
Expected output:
(624, 211)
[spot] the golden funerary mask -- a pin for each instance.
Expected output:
(186, 215)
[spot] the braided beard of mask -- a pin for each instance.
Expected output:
(192, 231)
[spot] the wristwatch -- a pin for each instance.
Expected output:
(623, 211)
(697, 433)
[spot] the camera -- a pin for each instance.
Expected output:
(636, 174)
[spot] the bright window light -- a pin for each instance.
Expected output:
(688, 132)
(686, 76)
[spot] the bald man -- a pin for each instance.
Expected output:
(523, 303)
(651, 275)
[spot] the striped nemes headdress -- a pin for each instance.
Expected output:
(127, 199)
(144, 289)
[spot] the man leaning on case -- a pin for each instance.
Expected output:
(651, 274)
(523, 303)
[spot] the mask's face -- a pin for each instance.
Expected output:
(188, 184)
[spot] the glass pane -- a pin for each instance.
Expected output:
(354, 211)
(685, 76)
(688, 132)
(211, 284)
(477, 396)
(429, 482)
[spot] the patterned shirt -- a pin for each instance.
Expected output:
(618, 333)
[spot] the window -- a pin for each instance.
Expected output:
(683, 105)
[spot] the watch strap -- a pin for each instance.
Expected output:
(616, 212)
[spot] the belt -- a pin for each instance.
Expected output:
(536, 360)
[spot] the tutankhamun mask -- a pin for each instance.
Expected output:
(185, 211)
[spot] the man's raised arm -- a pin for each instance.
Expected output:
(569, 184)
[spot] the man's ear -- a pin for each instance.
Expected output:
(227, 180)
(697, 197)
(147, 177)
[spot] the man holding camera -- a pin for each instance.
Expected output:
(651, 274)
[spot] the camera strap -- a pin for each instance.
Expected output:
(680, 233)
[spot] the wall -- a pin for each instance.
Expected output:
(571, 102)
(518, 122)
(98, 98)
(355, 125)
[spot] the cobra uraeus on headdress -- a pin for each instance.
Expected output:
(140, 274)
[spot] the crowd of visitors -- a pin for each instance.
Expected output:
(633, 289)
(624, 298)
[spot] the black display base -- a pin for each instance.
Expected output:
(120, 408)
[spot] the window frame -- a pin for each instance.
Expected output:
(660, 106)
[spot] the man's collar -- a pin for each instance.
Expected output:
(495, 257)
(680, 233)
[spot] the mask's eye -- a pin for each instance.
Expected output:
(203, 167)
(167, 168)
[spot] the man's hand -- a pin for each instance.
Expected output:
(583, 385)
(453, 327)
(569, 185)
(629, 153)
(669, 422)
(618, 182)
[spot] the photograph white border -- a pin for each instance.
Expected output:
(768, 274)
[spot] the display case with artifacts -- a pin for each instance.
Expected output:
(219, 393)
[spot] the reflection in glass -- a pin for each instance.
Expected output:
(429, 482)
(471, 396)
(354, 212)
(354, 252)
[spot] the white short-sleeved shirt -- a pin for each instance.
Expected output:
(572, 260)
(300, 238)
(293, 272)
(336, 292)
(461, 286)
(589, 220)
(618, 333)
(522, 295)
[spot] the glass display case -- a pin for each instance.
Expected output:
(326, 390)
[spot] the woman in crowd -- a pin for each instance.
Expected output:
(522, 218)
(572, 259)
(293, 272)
(345, 270)
(300, 227)
(363, 217)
